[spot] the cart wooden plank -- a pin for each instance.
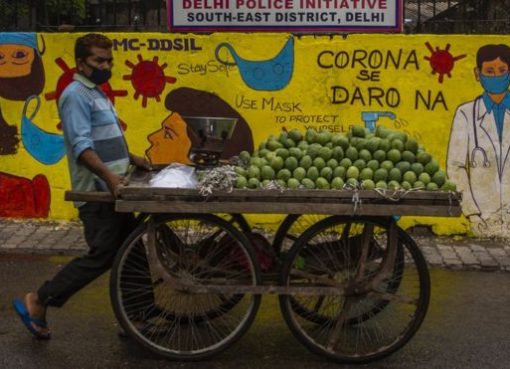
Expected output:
(341, 202)
(160, 194)
(140, 197)
(251, 207)
(132, 192)
(88, 196)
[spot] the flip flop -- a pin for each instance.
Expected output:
(27, 320)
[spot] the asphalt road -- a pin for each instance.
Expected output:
(467, 327)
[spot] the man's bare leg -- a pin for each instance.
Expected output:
(36, 310)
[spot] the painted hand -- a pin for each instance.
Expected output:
(140, 162)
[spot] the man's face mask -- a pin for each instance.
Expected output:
(495, 84)
(99, 76)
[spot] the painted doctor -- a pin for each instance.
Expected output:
(478, 153)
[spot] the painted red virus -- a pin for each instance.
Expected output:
(441, 61)
(67, 77)
(148, 79)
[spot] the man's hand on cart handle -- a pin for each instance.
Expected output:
(114, 181)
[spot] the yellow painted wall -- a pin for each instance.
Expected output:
(309, 94)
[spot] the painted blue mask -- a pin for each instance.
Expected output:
(266, 75)
(495, 84)
(47, 148)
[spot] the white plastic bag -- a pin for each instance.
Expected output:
(175, 176)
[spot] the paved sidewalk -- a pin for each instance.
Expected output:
(43, 237)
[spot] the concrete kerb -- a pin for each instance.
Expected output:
(66, 238)
(41, 237)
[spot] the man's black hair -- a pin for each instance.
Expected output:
(84, 44)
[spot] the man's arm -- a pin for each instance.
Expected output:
(75, 113)
(92, 162)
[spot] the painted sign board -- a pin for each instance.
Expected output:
(313, 16)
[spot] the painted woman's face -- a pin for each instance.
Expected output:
(171, 143)
(16, 60)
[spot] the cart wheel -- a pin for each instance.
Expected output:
(240, 222)
(291, 228)
(264, 252)
(194, 250)
(171, 246)
(364, 322)
(351, 248)
(287, 234)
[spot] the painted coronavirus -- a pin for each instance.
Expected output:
(442, 61)
(148, 79)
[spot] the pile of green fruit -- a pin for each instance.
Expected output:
(360, 159)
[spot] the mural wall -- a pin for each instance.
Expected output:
(270, 82)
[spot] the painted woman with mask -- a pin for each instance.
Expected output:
(479, 148)
(21, 76)
(21, 68)
(98, 158)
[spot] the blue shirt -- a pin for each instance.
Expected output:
(89, 121)
(499, 111)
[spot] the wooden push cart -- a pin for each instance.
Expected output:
(352, 285)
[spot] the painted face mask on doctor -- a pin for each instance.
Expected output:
(495, 84)
(494, 76)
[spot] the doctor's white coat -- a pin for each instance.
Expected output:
(486, 190)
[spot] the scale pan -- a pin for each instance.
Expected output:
(211, 127)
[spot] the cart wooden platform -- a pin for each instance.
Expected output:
(352, 285)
